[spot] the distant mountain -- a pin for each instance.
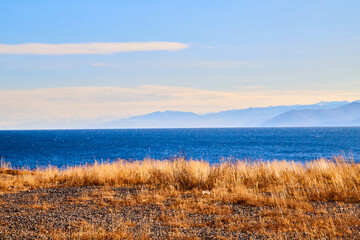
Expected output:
(293, 115)
(253, 117)
(167, 119)
(340, 113)
(347, 115)
(171, 119)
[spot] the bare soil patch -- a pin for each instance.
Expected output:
(84, 212)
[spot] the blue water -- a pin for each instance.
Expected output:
(73, 147)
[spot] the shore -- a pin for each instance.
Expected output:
(183, 200)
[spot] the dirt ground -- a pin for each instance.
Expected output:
(87, 212)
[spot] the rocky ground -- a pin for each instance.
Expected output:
(114, 213)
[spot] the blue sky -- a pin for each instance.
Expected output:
(229, 54)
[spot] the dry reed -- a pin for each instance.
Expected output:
(289, 196)
(231, 182)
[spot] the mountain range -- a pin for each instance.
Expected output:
(340, 113)
(322, 114)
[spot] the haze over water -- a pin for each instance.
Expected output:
(63, 148)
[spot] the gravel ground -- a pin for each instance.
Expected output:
(38, 213)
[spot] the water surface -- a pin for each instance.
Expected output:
(72, 147)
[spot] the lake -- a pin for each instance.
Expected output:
(31, 148)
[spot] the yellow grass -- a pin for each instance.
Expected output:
(286, 192)
(320, 180)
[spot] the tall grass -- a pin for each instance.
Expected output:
(293, 199)
(238, 181)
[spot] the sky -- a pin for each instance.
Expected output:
(76, 60)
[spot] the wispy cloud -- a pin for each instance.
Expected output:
(219, 64)
(99, 64)
(93, 102)
(88, 48)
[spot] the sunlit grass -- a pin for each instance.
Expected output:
(285, 192)
(320, 180)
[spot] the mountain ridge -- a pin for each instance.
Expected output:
(249, 117)
(341, 116)
(321, 114)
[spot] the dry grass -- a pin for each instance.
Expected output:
(84, 231)
(287, 193)
(237, 182)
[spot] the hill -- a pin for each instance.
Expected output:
(347, 115)
(297, 115)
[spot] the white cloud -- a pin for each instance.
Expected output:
(99, 64)
(19, 106)
(5, 124)
(219, 64)
(88, 48)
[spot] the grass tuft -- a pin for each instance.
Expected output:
(232, 182)
(289, 199)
